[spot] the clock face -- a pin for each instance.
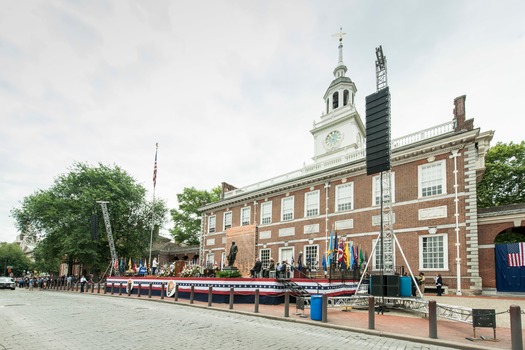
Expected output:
(333, 139)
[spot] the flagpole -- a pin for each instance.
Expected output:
(153, 202)
(326, 186)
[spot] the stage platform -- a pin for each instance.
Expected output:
(271, 290)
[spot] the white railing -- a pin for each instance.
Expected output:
(423, 135)
(347, 158)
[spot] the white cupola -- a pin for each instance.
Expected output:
(341, 129)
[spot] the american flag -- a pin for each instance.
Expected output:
(155, 167)
(516, 254)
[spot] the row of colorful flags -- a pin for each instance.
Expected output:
(135, 265)
(344, 254)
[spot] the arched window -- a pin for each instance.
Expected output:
(346, 94)
(335, 100)
(327, 105)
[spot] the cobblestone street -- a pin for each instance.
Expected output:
(58, 320)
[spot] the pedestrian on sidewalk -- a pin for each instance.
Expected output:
(83, 282)
(439, 284)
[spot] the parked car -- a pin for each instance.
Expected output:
(7, 282)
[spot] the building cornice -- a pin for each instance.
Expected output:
(439, 145)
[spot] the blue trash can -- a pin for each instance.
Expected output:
(316, 307)
(405, 286)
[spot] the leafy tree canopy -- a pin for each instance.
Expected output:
(511, 235)
(62, 217)
(504, 179)
(187, 218)
(12, 255)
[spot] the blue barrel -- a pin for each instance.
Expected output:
(405, 286)
(316, 307)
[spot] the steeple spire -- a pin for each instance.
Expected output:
(341, 69)
(340, 36)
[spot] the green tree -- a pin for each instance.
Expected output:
(12, 255)
(511, 235)
(62, 217)
(187, 218)
(504, 178)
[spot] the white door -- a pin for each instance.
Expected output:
(286, 254)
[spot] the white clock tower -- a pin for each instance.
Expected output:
(341, 130)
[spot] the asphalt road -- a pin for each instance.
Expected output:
(54, 320)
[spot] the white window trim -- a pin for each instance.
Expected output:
(445, 252)
(265, 262)
(443, 178)
(315, 264)
(243, 210)
(214, 224)
(316, 195)
(292, 200)
(351, 184)
(375, 181)
(269, 204)
(210, 259)
(224, 220)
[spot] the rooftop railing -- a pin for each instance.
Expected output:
(347, 158)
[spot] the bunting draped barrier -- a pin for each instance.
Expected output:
(271, 291)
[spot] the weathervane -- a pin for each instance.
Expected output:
(340, 34)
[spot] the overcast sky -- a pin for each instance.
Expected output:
(230, 89)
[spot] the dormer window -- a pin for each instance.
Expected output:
(335, 100)
(346, 95)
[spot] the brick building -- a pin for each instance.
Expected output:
(433, 197)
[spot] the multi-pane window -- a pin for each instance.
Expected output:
(312, 257)
(378, 254)
(210, 260)
(432, 179)
(245, 216)
(265, 257)
(266, 213)
(287, 208)
(311, 203)
(376, 189)
(211, 224)
(344, 196)
(227, 219)
(433, 252)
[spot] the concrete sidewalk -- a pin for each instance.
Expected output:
(402, 324)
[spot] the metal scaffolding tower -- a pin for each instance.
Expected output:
(387, 223)
(114, 257)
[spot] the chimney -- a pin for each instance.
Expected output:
(226, 187)
(460, 123)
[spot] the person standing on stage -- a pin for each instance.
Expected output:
(154, 266)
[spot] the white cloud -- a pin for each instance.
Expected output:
(230, 90)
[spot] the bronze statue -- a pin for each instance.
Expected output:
(232, 255)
